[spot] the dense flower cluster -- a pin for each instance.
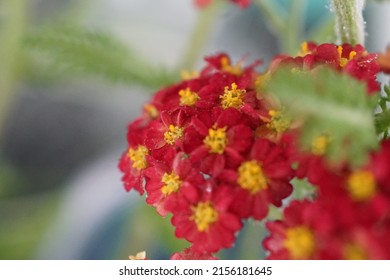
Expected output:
(349, 219)
(353, 60)
(196, 153)
(213, 151)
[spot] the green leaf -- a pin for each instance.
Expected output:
(331, 103)
(76, 50)
(382, 119)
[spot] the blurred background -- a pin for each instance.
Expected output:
(73, 74)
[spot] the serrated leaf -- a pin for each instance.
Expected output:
(382, 119)
(332, 103)
(74, 49)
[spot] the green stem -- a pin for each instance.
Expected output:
(349, 20)
(200, 35)
(272, 16)
(294, 26)
(287, 31)
(11, 37)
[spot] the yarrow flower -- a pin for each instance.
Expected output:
(215, 150)
(353, 60)
(189, 137)
(349, 219)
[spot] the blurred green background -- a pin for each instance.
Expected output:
(73, 74)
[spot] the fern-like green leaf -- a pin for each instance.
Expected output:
(331, 103)
(382, 119)
(77, 50)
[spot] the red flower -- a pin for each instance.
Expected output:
(216, 140)
(165, 135)
(206, 222)
(362, 195)
(311, 163)
(354, 60)
(171, 182)
(294, 237)
(133, 164)
(262, 179)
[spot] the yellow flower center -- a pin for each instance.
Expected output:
(138, 157)
(232, 97)
(354, 252)
(232, 69)
(344, 61)
(304, 49)
(173, 133)
(251, 177)
(216, 140)
(320, 145)
(279, 122)
(189, 75)
(171, 182)
(151, 110)
(361, 185)
(204, 215)
(300, 242)
(188, 97)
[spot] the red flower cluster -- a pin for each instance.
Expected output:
(213, 151)
(350, 218)
(355, 61)
(196, 154)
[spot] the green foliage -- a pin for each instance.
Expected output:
(80, 51)
(331, 103)
(382, 119)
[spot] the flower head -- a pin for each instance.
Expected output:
(260, 180)
(206, 222)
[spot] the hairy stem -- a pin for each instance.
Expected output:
(349, 20)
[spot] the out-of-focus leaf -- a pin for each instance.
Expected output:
(332, 103)
(79, 51)
(382, 119)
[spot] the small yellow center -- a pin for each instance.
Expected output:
(279, 122)
(227, 67)
(173, 133)
(344, 61)
(138, 157)
(216, 140)
(320, 145)
(232, 97)
(151, 110)
(171, 182)
(304, 49)
(361, 185)
(189, 75)
(354, 252)
(188, 97)
(251, 177)
(300, 242)
(204, 215)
